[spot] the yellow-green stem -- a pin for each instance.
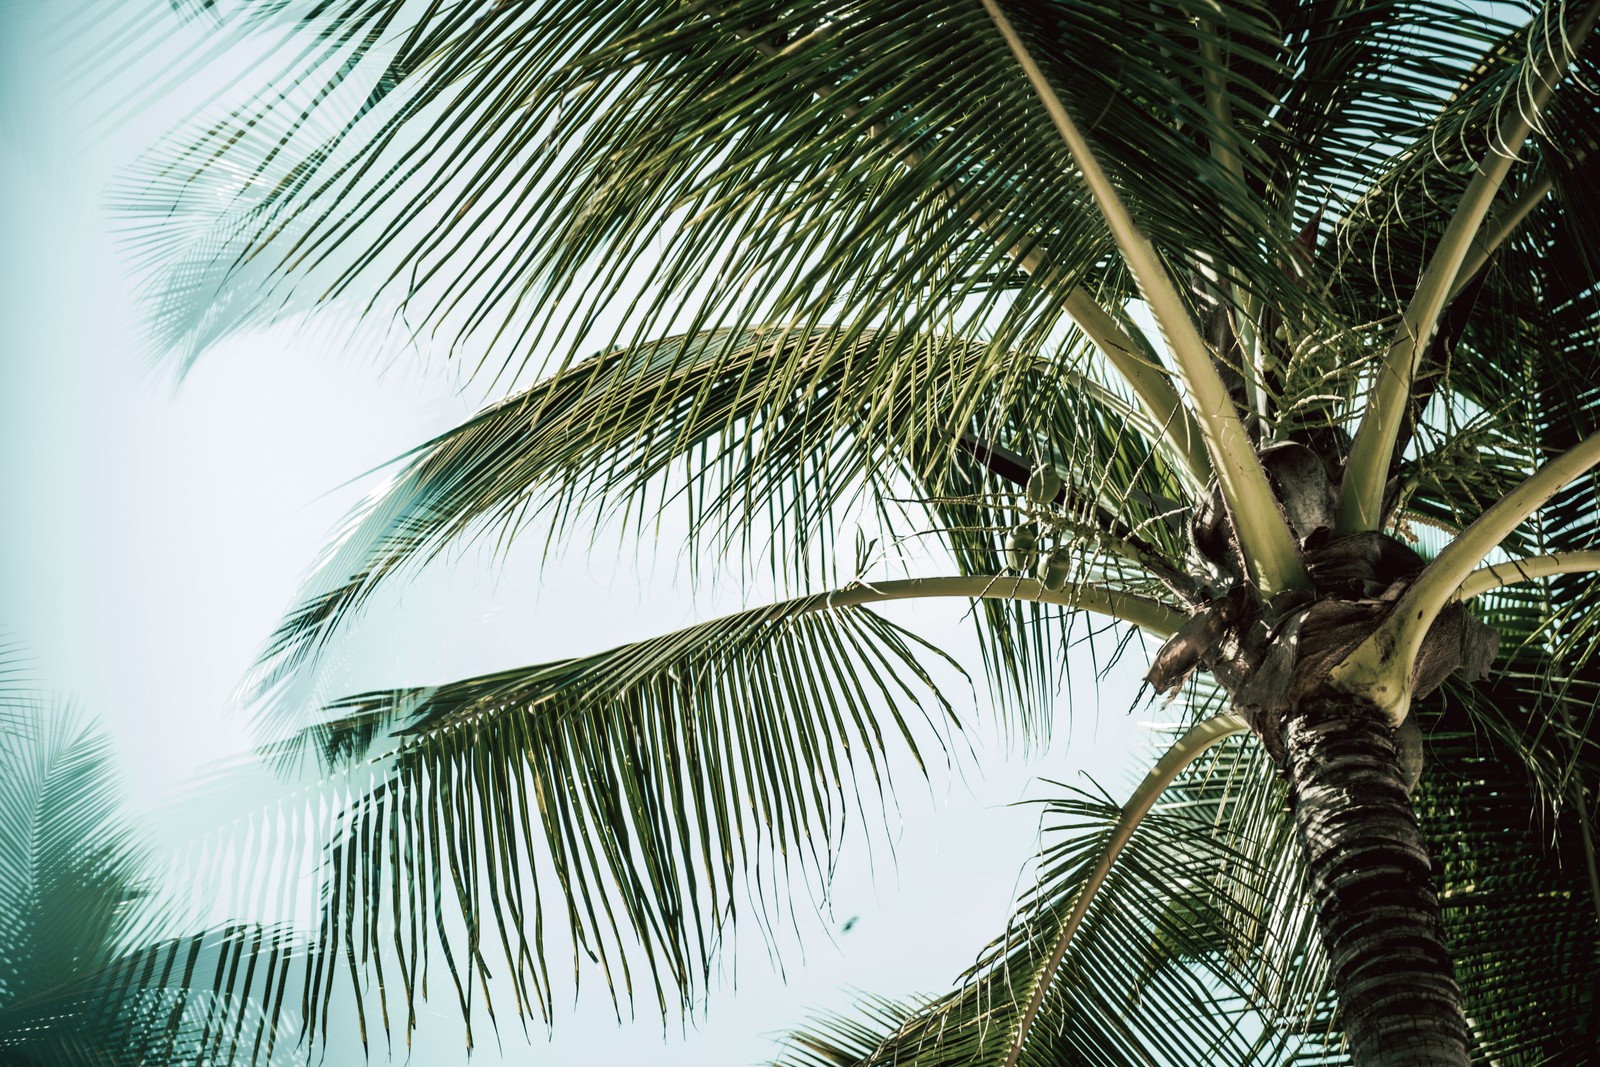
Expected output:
(1269, 548)
(1144, 612)
(1380, 667)
(1527, 569)
(1183, 752)
(1372, 452)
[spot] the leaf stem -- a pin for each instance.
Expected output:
(1183, 752)
(1147, 613)
(1372, 452)
(1380, 667)
(1269, 548)
(1526, 570)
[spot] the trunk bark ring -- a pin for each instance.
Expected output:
(1372, 885)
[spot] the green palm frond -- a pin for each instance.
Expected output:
(632, 802)
(780, 423)
(661, 93)
(1207, 901)
(88, 977)
(17, 681)
(678, 127)
(1516, 877)
(1530, 305)
(636, 801)
(70, 873)
(1197, 947)
(849, 1040)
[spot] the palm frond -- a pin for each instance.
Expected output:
(17, 681)
(88, 974)
(1196, 948)
(68, 871)
(632, 803)
(1211, 905)
(1514, 867)
(782, 423)
(777, 163)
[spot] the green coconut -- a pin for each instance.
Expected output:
(1022, 548)
(1044, 485)
(1054, 568)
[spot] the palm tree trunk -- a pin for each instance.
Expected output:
(1371, 882)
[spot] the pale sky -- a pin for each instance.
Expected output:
(155, 532)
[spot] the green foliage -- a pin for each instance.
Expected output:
(88, 974)
(1199, 946)
(1202, 947)
(650, 784)
(833, 259)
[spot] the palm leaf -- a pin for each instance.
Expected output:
(778, 422)
(671, 117)
(1516, 878)
(87, 976)
(632, 802)
(1219, 895)
(1196, 947)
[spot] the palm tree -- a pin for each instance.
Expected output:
(89, 974)
(1264, 329)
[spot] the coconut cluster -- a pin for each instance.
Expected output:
(1023, 553)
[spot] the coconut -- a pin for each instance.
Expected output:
(1054, 567)
(1300, 479)
(1022, 548)
(1044, 485)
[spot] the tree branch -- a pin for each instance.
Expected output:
(1269, 548)
(1115, 533)
(1148, 614)
(1513, 571)
(1139, 366)
(1367, 470)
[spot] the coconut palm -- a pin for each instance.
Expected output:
(90, 975)
(1265, 330)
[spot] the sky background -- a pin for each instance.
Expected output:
(156, 530)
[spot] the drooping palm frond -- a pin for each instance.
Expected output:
(778, 423)
(631, 803)
(88, 977)
(1208, 920)
(477, 164)
(70, 870)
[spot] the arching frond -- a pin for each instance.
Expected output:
(1207, 921)
(475, 165)
(631, 803)
(88, 974)
(782, 427)
(1514, 863)
(1196, 948)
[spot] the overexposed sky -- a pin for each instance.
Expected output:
(154, 533)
